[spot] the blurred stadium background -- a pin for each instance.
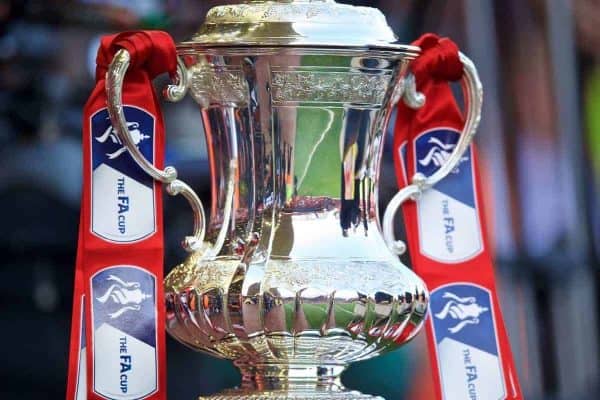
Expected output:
(540, 140)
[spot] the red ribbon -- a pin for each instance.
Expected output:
(119, 268)
(446, 232)
(439, 59)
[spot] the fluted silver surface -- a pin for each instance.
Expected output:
(304, 283)
(291, 277)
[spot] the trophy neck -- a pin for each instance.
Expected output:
(292, 378)
(328, 161)
(307, 130)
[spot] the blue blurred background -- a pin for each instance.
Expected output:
(539, 61)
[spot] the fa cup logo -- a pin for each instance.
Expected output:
(439, 154)
(126, 294)
(110, 133)
(464, 310)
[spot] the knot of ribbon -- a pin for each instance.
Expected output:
(439, 59)
(151, 51)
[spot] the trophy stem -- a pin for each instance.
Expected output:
(285, 377)
(290, 382)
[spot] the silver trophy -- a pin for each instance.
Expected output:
(293, 277)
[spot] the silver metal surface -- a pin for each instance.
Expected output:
(114, 91)
(195, 241)
(474, 99)
(304, 283)
(175, 92)
(294, 280)
(295, 22)
(407, 193)
(412, 97)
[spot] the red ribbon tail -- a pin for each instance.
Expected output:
(118, 301)
(469, 348)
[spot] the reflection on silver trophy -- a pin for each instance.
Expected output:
(293, 277)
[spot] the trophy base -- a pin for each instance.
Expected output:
(290, 382)
(241, 394)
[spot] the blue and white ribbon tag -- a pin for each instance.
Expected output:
(449, 228)
(124, 332)
(467, 349)
(123, 208)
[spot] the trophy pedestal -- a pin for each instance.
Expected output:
(291, 382)
(240, 394)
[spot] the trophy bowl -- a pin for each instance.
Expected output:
(292, 277)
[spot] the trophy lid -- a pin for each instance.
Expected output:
(295, 23)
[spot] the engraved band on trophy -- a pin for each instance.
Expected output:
(291, 276)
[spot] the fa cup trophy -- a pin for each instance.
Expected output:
(292, 276)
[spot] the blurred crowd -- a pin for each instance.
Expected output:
(540, 140)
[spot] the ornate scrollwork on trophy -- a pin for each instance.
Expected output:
(211, 86)
(329, 87)
(297, 276)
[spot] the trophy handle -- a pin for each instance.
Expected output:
(473, 97)
(174, 92)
